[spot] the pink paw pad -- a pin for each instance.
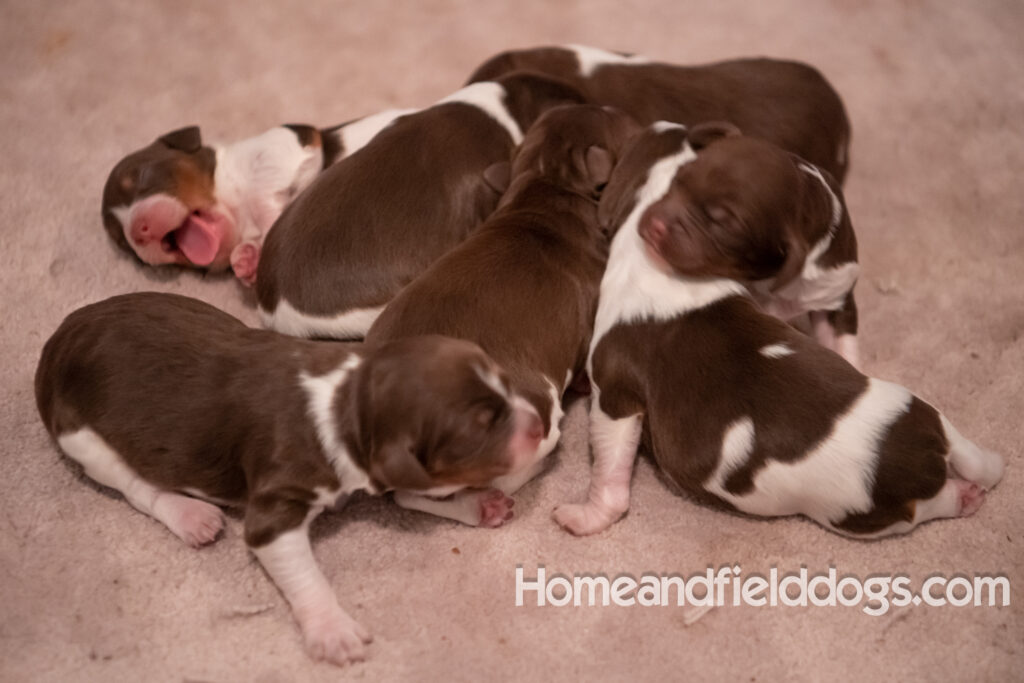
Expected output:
(245, 260)
(971, 497)
(194, 521)
(495, 508)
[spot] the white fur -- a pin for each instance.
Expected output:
(329, 632)
(256, 178)
(776, 351)
(355, 135)
(837, 206)
(590, 59)
(491, 380)
(834, 479)
(348, 325)
(321, 391)
(976, 464)
(632, 288)
(489, 97)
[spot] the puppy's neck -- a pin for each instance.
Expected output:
(636, 288)
(323, 393)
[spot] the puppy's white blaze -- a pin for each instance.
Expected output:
(837, 206)
(123, 216)
(590, 58)
(776, 351)
(835, 478)
(632, 288)
(491, 380)
(973, 463)
(513, 481)
(351, 324)
(489, 97)
(320, 393)
(357, 134)
(549, 442)
(662, 126)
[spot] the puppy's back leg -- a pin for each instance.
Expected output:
(837, 330)
(196, 522)
(973, 463)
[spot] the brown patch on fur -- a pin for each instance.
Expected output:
(787, 103)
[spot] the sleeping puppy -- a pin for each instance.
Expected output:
(747, 210)
(184, 202)
(787, 103)
(372, 223)
(524, 285)
(737, 407)
(174, 403)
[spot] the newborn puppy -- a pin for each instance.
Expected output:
(180, 201)
(524, 285)
(174, 403)
(745, 209)
(369, 225)
(739, 408)
(787, 103)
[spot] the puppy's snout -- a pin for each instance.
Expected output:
(527, 433)
(654, 231)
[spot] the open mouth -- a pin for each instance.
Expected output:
(197, 238)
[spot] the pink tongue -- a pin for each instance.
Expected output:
(198, 240)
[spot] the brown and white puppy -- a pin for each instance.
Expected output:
(372, 223)
(181, 201)
(747, 210)
(524, 285)
(787, 103)
(174, 403)
(739, 408)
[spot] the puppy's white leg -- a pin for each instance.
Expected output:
(487, 508)
(970, 461)
(328, 631)
(615, 444)
(196, 522)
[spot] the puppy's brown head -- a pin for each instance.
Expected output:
(743, 209)
(159, 204)
(434, 412)
(575, 147)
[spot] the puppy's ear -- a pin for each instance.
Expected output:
(498, 176)
(396, 466)
(796, 256)
(184, 139)
(599, 165)
(703, 134)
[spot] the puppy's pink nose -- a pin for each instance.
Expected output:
(535, 430)
(653, 230)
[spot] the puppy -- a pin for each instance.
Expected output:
(745, 209)
(787, 103)
(736, 406)
(524, 285)
(174, 403)
(372, 223)
(181, 201)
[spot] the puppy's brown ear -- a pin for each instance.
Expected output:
(796, 256)
(703, 134)
(498, 176)
(184, 139)
(396, 466)
(599, 165)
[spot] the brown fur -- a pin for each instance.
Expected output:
(524, 285)
(370, 224)
(788, 103)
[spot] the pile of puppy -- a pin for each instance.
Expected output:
(573, 219)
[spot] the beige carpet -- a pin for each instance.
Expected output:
(92, 590)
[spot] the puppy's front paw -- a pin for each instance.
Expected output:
(336, 638)
(194, 521)
(245, 260)
(971, 497)
(582, 520)
(495, 508)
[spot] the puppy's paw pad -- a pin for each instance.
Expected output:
(495, 508)
(971, 497)
(338, 640)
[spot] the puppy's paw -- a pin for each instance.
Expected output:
(582, 520)
(495, 508)
(245, 260)
(194, 521)
(336, 638)
(971, 497)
